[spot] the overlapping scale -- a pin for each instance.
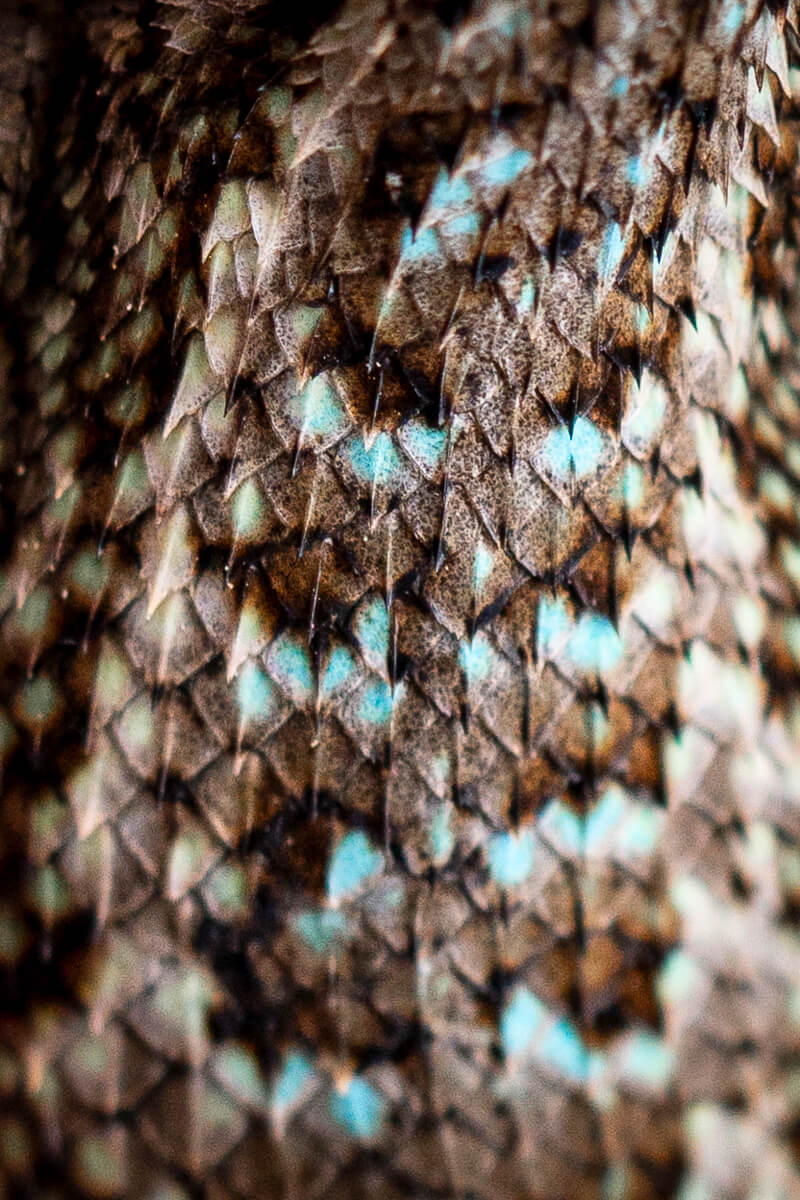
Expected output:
(400, 654)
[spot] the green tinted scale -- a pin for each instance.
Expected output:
(129, 408)
(237, 1070)
(140, 332)
(39, 701)
(252, 634)
(53, 399)
(104, 364)
(250, 511)
(188, 862)
(55, 353)
(132, 489)
(226, 894)
(48, 894)
(35, 614)
(230, 217)
(89, 574)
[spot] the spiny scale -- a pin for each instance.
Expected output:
(398, 624)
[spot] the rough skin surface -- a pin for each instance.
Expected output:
(399, 578)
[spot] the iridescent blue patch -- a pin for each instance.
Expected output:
(424, 245)
(594, 644)
(377, 465)
(734, 17)
(320, 929)
(290, 661)
(552, 624)
(605, 818)
(255, 692)
(376, 703)
(475, 658)
(644, 418)
(586, 445)
(526, 296)
(371, 628)
(637, 171)
(466, 224)
(641, 830)
(338, 672)
(680, 975)
(580, 452)
(611, 252)
(297, 1072)
(632, 485)
(563, 1049)
(441, 836)
(425, 445)
(516, 22)
(354, 861)
(359, 1109)
(481, 566)
(650, 1059)
(506, 169)
(317, 409)
(521, 1021)
(511, 857)
(450, 193)
(562, 827)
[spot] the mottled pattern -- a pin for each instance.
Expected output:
(399, 580)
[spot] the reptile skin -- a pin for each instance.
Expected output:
(399, 580)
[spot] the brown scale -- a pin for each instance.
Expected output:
(165, 842)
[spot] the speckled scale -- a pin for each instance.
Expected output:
(398, 589)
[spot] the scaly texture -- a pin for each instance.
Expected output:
(400, 654)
